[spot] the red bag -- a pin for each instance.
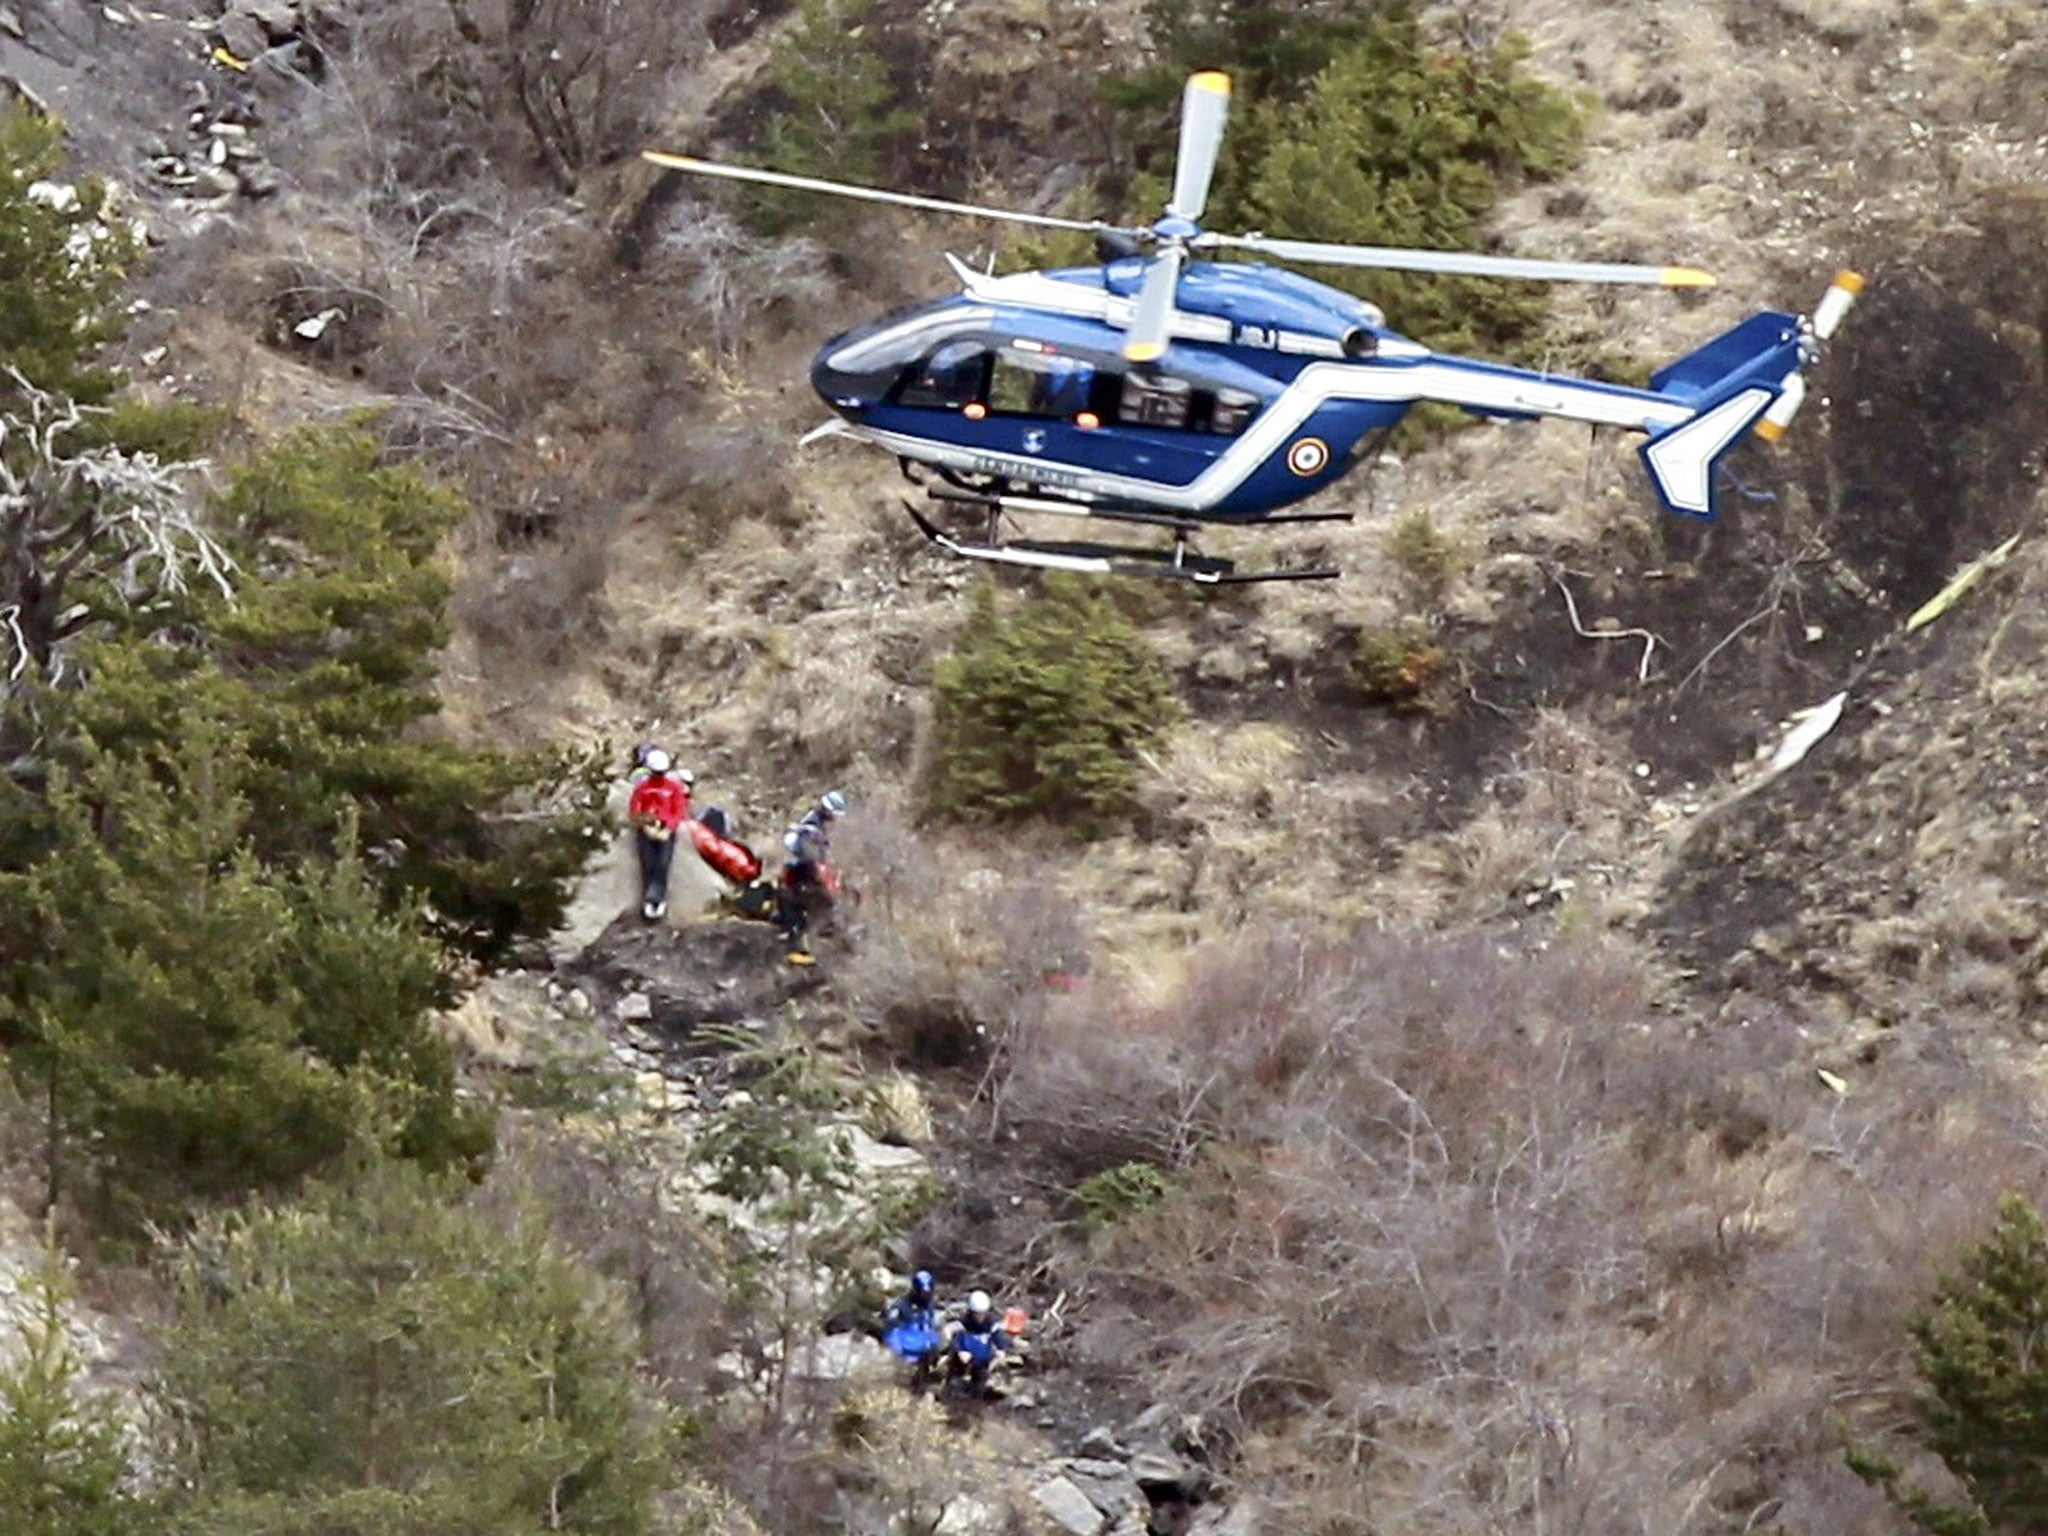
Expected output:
(736, 861)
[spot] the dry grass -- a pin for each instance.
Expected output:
(1458, 1229)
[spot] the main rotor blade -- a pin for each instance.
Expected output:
(870, 194)
(1462, 264)
(1145, 338)
(1203, 106)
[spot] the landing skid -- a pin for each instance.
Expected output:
(1181, 562)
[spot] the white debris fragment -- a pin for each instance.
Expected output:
(59, 196)
(1811, 725)
(315, 326)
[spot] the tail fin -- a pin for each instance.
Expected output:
(1747, 377)
(1681, 459)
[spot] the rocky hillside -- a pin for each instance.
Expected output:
(1505, 1100)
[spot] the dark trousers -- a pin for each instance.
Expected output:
(657, 857)
(795, 897)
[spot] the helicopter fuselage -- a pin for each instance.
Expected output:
(1270, 384)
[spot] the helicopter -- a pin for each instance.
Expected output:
(1172, 390)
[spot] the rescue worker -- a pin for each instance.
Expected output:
(659, 807)
(806, 847)
(919, 1304)
(975, 1338)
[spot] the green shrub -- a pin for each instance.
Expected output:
(1047, 712)
(1406, 140)
(1396, 665)
(1429, 561)
(1985, 1413)
(835, 110)
(323, 662)
(382, 1361)
(1119, 1193)
(63, 1465)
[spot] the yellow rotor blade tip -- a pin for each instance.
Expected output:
(1849, 282)
(1214, 81)
(1687, 277)
(660, 157)
(1144, 352)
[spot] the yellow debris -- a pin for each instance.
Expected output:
(1960, 583)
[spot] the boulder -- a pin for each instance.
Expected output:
(241, 34)
(1156, 1467)
(258, 177)
(279, 19)
(968, 1516)
(1068, 1507)
(878, 1160)
(1100, 1444)
(849, 1357)
(1109, 1485)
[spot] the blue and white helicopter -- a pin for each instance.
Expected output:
(1169, 389)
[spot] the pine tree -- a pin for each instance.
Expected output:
(1402, 140)
(199, 1025)
(837, 110)
(1982, 1349)
(1046, 712)
(1361, 124)
(63, 1469)
(323, 662)
(382, 1361)
(61, 259)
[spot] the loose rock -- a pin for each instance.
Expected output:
(258, 177)
(1069, 1507)
(1109, 1486)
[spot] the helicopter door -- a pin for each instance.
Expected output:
(1040, 384)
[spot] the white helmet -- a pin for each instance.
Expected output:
(978, 1302)
(686, 776)
(656, 761)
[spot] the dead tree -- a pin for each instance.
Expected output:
(84, 525)
(590, 75)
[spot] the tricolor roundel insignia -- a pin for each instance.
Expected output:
(1308, 456)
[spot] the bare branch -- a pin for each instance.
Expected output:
(1572, 610)
(75, 518)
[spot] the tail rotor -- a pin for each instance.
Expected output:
(1826, 319)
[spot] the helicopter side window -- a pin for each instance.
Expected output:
(951, 377)
(1040, 384)
(1154, 401)
(1232, 412)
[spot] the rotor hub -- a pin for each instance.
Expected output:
(1174, 230)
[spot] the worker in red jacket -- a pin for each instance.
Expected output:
(659, 807)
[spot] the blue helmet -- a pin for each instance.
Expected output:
(832, 803)
(921, 1285)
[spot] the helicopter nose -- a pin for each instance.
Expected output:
(850, 394)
